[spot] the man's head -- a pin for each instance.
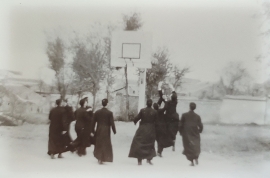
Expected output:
(83, 103)
(58, 102)
(104, 102)
(174, 96)
(149, 103)
(192, 106)
(155, 105)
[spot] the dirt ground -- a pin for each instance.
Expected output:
(227, 151)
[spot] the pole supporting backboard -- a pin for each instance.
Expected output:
(142, 87)
(137, 47)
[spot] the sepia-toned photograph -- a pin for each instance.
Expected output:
(128, 89)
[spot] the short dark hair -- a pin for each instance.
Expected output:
(155, 105)
(192, 106)
(149, 103)
(85, 98)
(82, 101)
(58, 102)
(174, 96)
(104, 102)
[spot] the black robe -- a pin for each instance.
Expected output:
(143, 144)
(90, 125)
(190, 127)
(171, 117)
(103, 118)
(83, 122)
(163, 137)
(58, 124)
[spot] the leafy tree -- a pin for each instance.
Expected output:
(132, 22)
(235, 77)
(161, 68)
(63, 76)
(89, 65)
(179, 73)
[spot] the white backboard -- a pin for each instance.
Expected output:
(131, 48)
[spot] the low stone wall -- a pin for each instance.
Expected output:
(245, 110)
(207, 109)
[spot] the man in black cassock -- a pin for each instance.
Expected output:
(104, 120)
(163, 137)
(143, 144)
(90, 113)
(171, 116)
(57, 130)
(190, 127)
(82, 128)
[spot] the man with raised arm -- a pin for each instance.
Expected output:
(163, 138)
(171, 116)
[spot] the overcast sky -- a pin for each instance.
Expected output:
(202, 34)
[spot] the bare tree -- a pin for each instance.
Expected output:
(161, 68)
(179, 73)
(264, 18)
(234, 77)
(110, 78)
(88, 64)
(56, 55)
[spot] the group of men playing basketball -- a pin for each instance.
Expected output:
(160, 123)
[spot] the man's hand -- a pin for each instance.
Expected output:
(92, 135)
(63, 132)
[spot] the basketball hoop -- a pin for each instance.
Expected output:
(137, 47)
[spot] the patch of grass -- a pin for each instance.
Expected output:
(232, 139)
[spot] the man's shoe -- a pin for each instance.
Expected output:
(60, 156)
(149, 161)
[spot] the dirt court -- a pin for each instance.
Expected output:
(227, 151)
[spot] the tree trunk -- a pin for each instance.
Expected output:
(94, 101)
(127, 98)
(108, 94)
